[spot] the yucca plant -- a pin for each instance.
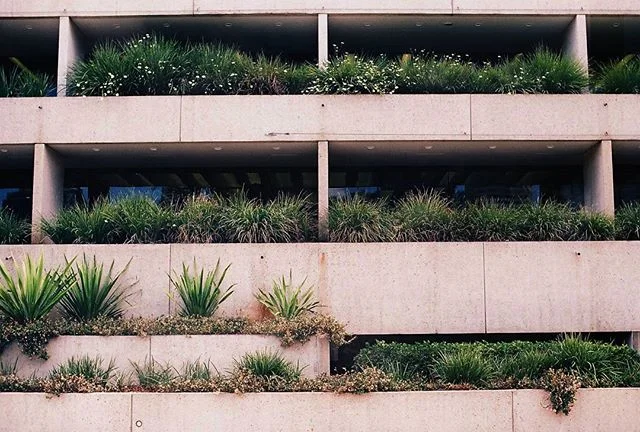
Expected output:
(95, 293)
(201, 293)
(13, 230)
(32, 292)
(268, 364)
(92, 369)
(286, 300)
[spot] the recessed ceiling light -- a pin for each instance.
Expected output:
(116, 26)
(28, 27)
(153, 148)
(95, 149)
(166, 25)
(276, 148)
(615, 24)
(528, 25)
(278, 24)
(418, 24)
(217, 148)
(367, 25)
(492, 147)
(370, 147)
(550, 146)
(428, 147)
(477, 24)
(228, 24)
(4, 150)
(447, 23)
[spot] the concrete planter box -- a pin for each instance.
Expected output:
(221, 350)
(484, 410)
(299, 118)
(403, 288)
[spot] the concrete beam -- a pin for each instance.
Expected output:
(575, 41)
(48, 183)
(323, 40)
(69, 51)
(323, 190)
(598, 179)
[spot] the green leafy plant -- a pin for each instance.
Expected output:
(91, 369)
(198, 371)
(428, 73)
(32, 292)
(621, 76)
(465, 366)
(82, 224)
(423, 216)
(18, 81)
(627, 222)
(356, 219)
(153, 374)
(95, 293)
(201, 294)
(200, 220)
(269, 364)
(13, 230)
(139, 219)
(286, 301)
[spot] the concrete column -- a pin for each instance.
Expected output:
(69, 51)
(48, 183)
(575, 41)
(323, 190)
(323, 40)
(634, 340)
(598, 178)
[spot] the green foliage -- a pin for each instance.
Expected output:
(423, 216)
(152, 374)
(201, 294)
(139, 219)
(357, 219)
(91, 369)
(82, 224)
(268, 364)
(95, 293)
(562, 387)
(429, 73)
(618, 76)
(8, 368)
(32, 292)
(21, 82)
(13, 230)
(628, 222)
(287, 301)
(198, 371)
(464, 366)
(200, 219)
(352, 74)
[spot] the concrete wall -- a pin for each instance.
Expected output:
(319, 118)
(493, 410)
(402, 288)
(220, 350)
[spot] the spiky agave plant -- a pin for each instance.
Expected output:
(33, 291)
(286, 301)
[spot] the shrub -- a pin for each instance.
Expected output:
(18, 81)
(627, 222)
(94, 293)
(268, 364)
(216, 70)
(202, 295)
(355, 220)
(13, 230)
(618, 76)
(32, 292)
(352, 74)
(423, 216)
(429, 73)
(286, 301)
(82, 224)
(562, 388)
(91, 369)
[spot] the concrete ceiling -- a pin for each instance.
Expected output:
(612, 36)
(33, 41)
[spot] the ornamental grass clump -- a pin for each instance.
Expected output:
(201, 293)
(139, 219)
(268, 364)
(627, 222)
(31, 292)
(621, 76)
(356, 219)
(91, 369)
(18, 81)
(353, 74)
(200, 219)
(423, 216)
(13, 229)
(433, 74)
(95, 293)
(152, 374)
(82, 224)
(464, 366)
(287, 300)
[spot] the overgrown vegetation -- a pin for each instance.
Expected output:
(268, 364)
(13, 230)
(621, 76)
(18, 81)
(286, 300)
(201, 294)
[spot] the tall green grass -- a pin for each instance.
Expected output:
(621, 76)
(13, 230)
(20, 82)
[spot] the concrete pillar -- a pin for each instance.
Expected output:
(323, 40)
(634, 340)
(48, 183)
(598, 178)
(69, 51)
(575, 41)
(323, 190)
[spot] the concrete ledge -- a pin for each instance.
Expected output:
(222, 350)
(402, 288)
(300, 118)
(479, 410)
(546, 7)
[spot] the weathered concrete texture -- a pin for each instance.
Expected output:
(595, 410)
(48, 175)
(396, 288)
(546, 7)
(562, 287)
(598, 179)
(122, 349)
(435, 411)
(148, 270)
(38, 412)
(223, 350)
(323, 190)
(320, 118)
(78, 8)
(323, 6)
(575, 41)
(69, 51)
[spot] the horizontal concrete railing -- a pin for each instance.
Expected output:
(220, 350)
(193, 119)
(478, 410)
(52, 8)
(403, 288)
